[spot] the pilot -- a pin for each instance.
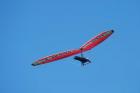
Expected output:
(83, 60)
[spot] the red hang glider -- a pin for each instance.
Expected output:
(87, 46)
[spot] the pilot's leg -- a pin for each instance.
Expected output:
(82, 63)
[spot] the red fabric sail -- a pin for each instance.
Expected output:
(96, 40)
(57, 56)
(87, 46)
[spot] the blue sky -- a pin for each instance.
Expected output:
(31, 29)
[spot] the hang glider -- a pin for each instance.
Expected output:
(86, 47)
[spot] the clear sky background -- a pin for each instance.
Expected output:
(31, 29)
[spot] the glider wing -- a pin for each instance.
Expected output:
(96, 40)
(87, 46)
(57, 56)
